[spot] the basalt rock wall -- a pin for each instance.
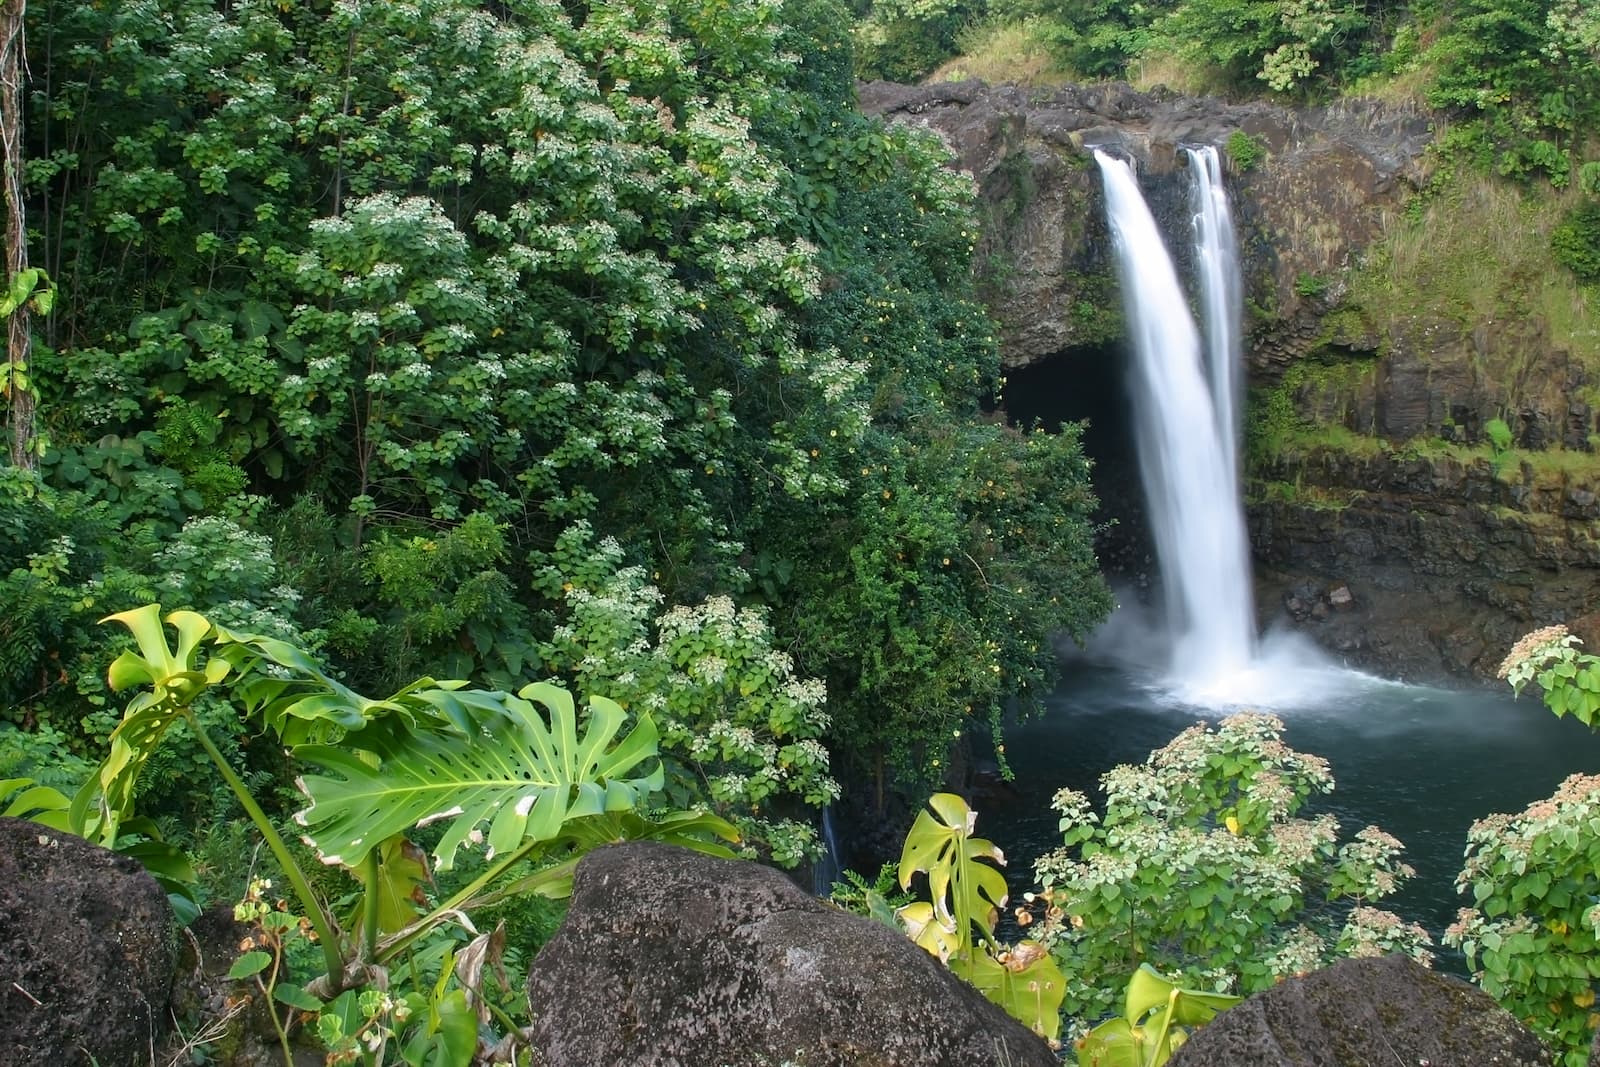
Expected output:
(1401, 540)
(1320, 191)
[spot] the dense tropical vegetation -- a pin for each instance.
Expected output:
(605, 343)
(606, 350)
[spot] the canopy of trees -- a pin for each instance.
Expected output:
(489, 339)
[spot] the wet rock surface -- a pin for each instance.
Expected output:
(1445, 562)
(86, 951)
(675, 959)
(1356, 1013)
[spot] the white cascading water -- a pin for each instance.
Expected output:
(1187, 456)
(1216, 258)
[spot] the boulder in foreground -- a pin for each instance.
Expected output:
(669, 958)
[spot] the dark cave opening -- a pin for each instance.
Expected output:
(1087, 384)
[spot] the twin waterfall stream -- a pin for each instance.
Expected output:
(1185, 402)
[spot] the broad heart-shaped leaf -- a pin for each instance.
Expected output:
(512, 775)
(22, 798)
(1111, 1044)
(1028, 985)
(964, 888)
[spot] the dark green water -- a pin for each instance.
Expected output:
(1421, 763)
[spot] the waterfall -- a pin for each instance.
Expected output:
(1187, 456)
(1221, 295)
(827, 868)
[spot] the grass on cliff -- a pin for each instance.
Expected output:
(1476, 248)
(1024, 53)
(1018, 52)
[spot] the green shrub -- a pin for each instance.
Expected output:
(1576, 242)
(1245, 151)
(1204, 867)
(1532, 935)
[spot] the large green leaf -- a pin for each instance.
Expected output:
(22, 798)
(1026, 982)
(395, 889)
(1155, 1012)
(1113, 1043)
(963, 886)
(175, 680)
(511, 776)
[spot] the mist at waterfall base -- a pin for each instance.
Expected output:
(1422, 763)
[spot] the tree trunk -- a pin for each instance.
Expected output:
(17, 332)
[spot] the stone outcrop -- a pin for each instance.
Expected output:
(1369, 1011)
(1318, 196)
(1443, 561)
(675, 959)
(86, 952)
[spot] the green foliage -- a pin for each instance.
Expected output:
(1569, 679)
(1576, 242)
(1287, 44)
(418, 757)
(1244, 151)
(1203, 867)
(1499, 435)
(1532, 934)
(1526, 72)
(1151, 1026)
(501, 768)
(903, 40)
(1310, 285)
(735, 718)
(1500, 441)
(1095, 38)
(957, 923)
(416, 317)
(877, 899)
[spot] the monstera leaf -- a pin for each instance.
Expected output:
(1155, 1013)
(965, 890)
(394, 888)
(1026, 982)
(510, 775)
(175, 680)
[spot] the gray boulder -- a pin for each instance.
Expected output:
(86, 952)
(669, 958)
(1379, 1012)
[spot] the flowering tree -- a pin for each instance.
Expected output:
(1532, 934)
(733, 715)
(1204, 867)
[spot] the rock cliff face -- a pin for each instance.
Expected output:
(1320, 193)
(1440, 548)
